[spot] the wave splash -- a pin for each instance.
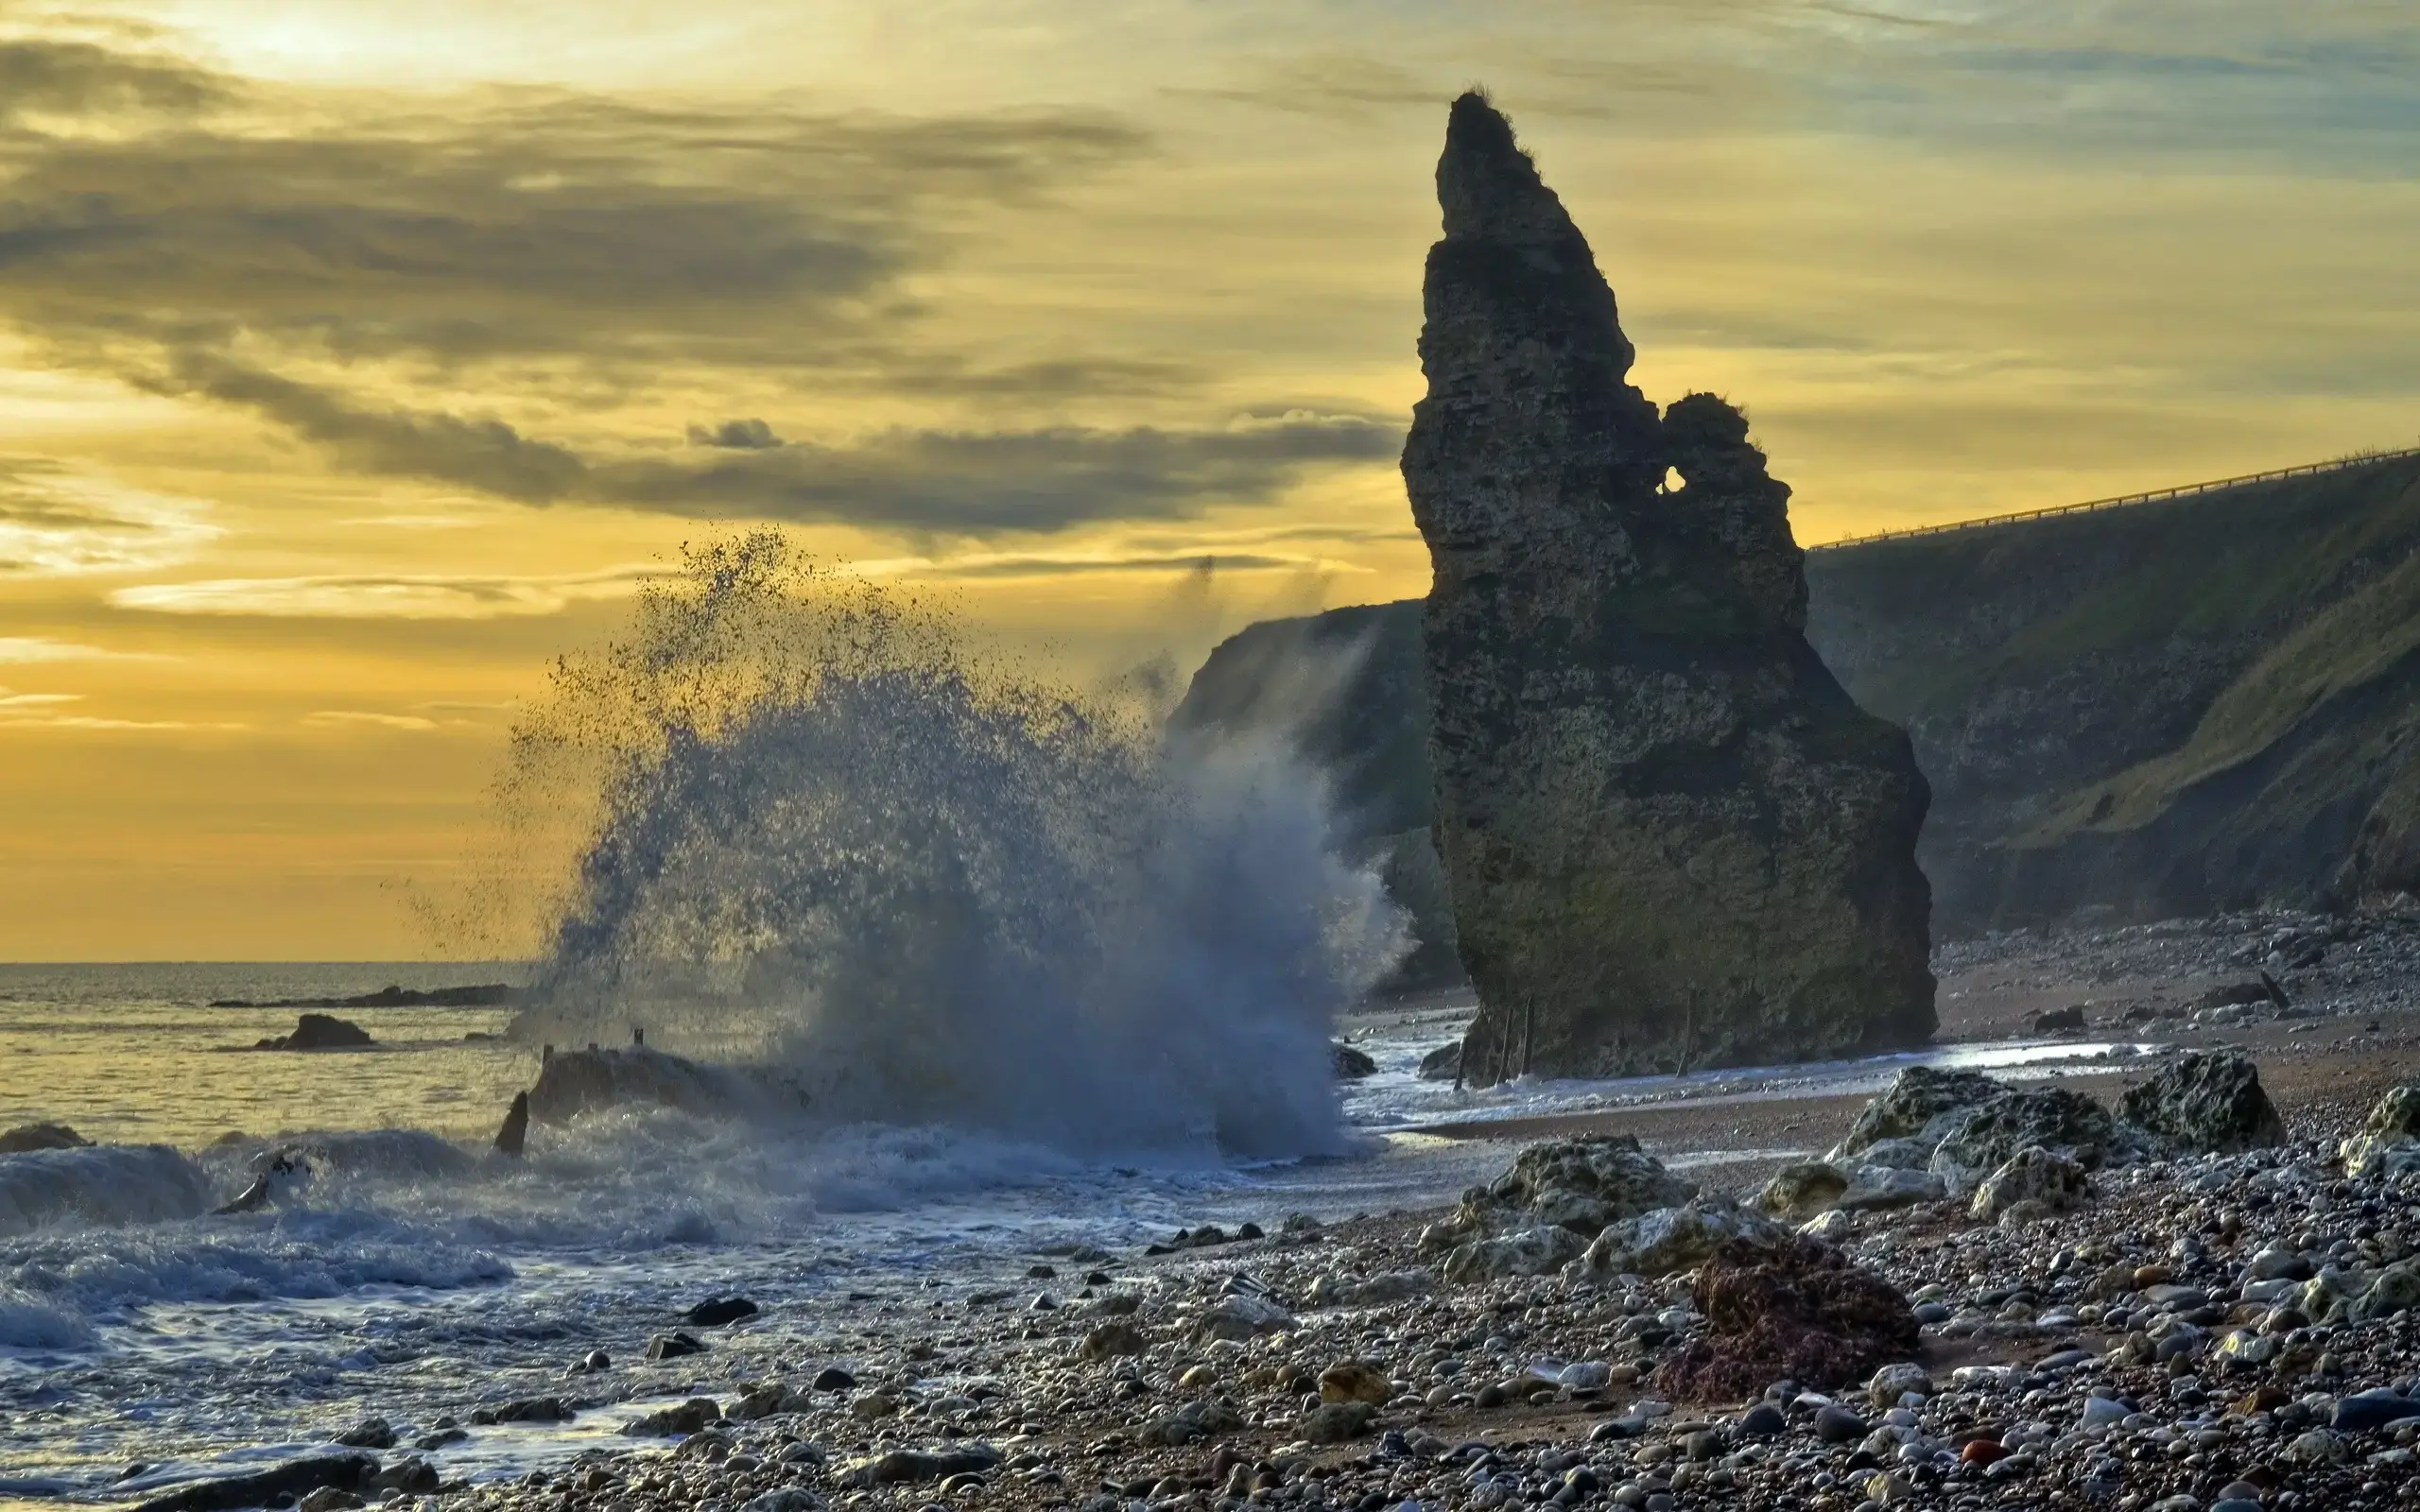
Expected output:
(833, 844)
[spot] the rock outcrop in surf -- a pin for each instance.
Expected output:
(1671, 839)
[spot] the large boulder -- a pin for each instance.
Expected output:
(2207, 1103)
(1677, 1239)
(1671, 839)
(2033, 1182)
(1802, 1189)
(1581, 1185)
(2061, 1120)
(1539, 1251)
(1919, 1104)
(2390, 1136)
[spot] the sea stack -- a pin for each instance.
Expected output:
(1673, 840)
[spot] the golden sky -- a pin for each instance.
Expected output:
(357, 356)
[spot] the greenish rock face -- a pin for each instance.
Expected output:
(1671, 839)
(2207, 1105)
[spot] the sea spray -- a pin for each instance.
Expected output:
(834, 843)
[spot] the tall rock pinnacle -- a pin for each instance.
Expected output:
(1672, 840)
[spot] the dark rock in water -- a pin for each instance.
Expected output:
(410, 1475)
(27, 1138)
(371, 1433)
(1443, 1063)
(675, 1346)
(715, 1312)
(514, 1135)
(2207, 1104)
(2060, 1020)
(574, 1082)
(1801, 1313)
(292, 1480)
(1351, 1064)
(487, 995)
(832, 1378)
(695, 1416)
(318, 1031)
(526, 1410)
(906, 1467)
(1673, 840)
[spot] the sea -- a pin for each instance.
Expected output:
(414, 1275)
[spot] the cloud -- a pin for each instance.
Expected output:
(981, 482)
(25, 649)
(1045, 565)
(42, 711)
(509, 224)
(945, 482)
(402, 597)
(736, 435)
(56, 521)
(354, 718)
(47, 76)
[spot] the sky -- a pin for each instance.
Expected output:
(359, 356)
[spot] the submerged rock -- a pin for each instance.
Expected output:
(291, 1480)
(2207, 1103)
(513, 1136)
(27, 1138)
(320, 1031)
(573, 1082)
(1672, 840)
(1351, 1064)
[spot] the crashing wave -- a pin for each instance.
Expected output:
(839, 850)
(102, 1185)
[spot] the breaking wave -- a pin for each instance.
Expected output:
(832, 843)
(99, 1185)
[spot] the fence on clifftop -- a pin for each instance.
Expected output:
(2186, 491)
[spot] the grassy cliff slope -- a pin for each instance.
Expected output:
(2151, 710)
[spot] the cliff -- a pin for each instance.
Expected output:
(2138, 713)
(1669, 837)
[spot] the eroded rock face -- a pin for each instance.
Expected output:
(1671, 839)
(2207, 1103)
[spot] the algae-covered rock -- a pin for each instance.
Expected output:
(2045, 1181)
(1987, 1136)
(1676, 1239)
(2390, 1136)
(1918, 1103)
(1671, 839)
(1539, 1251)
(1802, 1189)
(2207, 1103)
